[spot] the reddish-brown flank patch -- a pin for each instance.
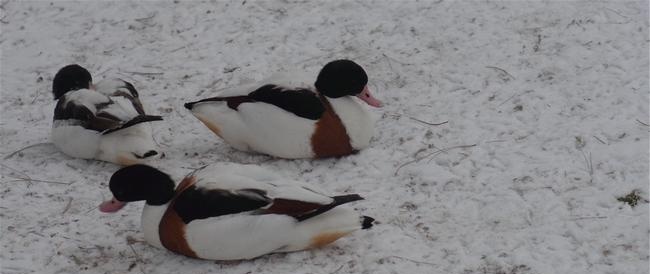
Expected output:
(214, 128)
(126, 161)
(325, 238)
(172, 228)
(330, 137)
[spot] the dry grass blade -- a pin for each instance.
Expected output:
(37, 181)
(24, 177)
(27, 147)
(503, 71)
(600, 140)
(411, 260)
(143, 73)
(67, 206)
(428, 123)
(443, 150)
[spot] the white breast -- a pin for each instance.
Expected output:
(150, 221)
(356, 118)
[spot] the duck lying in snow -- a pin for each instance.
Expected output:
(289, 119)
(229, 211)
(105, 121)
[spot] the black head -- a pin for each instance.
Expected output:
(341, 78)
(142, 182)
(70, 77)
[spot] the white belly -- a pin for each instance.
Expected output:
(259, 127)
(235, 237)
(117, 147)
(243, 236)
(121, 146)
(75, 141)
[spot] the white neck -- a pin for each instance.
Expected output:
(151, 216)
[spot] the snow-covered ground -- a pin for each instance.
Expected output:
(545, 104)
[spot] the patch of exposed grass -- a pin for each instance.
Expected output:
(631, 199)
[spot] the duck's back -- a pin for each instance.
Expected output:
(228, 211)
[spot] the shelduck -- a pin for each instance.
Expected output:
(228, 211)
(288, 118)
(103, 121)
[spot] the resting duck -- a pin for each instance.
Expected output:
(105, 121)
(290, 119)
(228, 211)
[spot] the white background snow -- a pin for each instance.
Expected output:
(552, 94)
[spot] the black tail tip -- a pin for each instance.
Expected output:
(148, 154)
(367, 222)
(189, 105)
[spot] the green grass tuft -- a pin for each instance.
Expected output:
(631, 199)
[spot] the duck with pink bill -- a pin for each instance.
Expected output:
(290, 116)
(228, 211)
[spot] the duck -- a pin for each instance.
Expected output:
(227, 211)
(104, 121)
(287, 117)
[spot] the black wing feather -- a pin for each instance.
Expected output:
(301, 102)
(197, 203)
(102, 122)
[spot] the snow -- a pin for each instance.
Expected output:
(546, 104)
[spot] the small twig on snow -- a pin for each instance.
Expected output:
(506, 100)
(618, 13)
(589, 217)
(143, 73)
(177, 49)
(428, 123)
(137, 256)
(502, 70)
(30, 146)
(411, 260)
(91, 209)
(603, 142)
(589, 164)
(642, 123)
(443, 150)
(67, 206)
(153, 14)
(38, 93)
(37, 181)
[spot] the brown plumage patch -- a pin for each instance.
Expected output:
(330, 138)
(325, 238)
(214, 128)
(172, 228)
(291, 207)
(126, 161)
